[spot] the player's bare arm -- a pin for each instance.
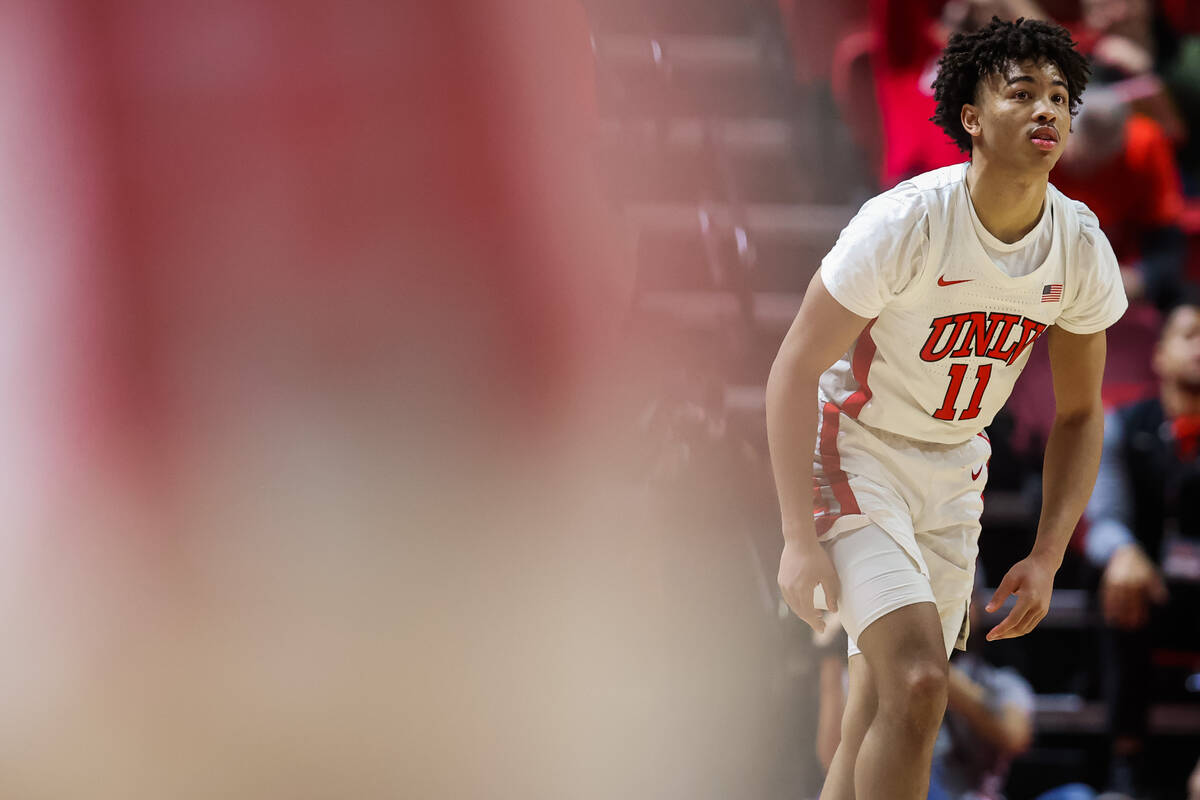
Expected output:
(1068, 475)
(822, 331)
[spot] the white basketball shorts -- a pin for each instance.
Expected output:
(926, 497)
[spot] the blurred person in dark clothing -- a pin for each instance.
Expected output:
(1123, 167)
(989, 720)
(1144, 517)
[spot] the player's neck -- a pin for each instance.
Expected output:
(1008, 204)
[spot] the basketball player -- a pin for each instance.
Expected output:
(927, 309)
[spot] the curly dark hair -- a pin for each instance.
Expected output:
(970, 57)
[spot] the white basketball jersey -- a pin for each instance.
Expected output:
(950, 330)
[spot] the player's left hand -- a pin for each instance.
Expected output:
(1032, 581)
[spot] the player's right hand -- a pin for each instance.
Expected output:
(803, 566)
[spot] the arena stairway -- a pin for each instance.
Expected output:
(729, 188)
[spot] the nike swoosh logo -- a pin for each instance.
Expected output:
(943, 282)
(976, 473)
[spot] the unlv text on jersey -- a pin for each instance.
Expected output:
(990, 334)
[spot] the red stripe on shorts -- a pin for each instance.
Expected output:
(831, 465)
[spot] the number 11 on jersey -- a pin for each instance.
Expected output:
(957, 373)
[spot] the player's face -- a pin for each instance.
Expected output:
(1177, 357)
(1022, 116)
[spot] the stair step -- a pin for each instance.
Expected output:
(764, 221)
(688, 75)
(675, 16)
(756, 136)
(785, 243)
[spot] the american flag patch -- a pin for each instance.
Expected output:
(1052, 293)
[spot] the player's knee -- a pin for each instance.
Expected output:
(926, 682)
(919, 692)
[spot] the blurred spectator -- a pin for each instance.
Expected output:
(907, 37)
(1129, 37)
(1182, 16)
(1182, 76)
(1131, 41)
(1146, 502)
(1119, 34)
(905, 48)
(1122, 166)
(814, 30)
(989, 721)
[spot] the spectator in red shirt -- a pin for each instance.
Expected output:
(903, 63)
(1123, 167)
(908, 40)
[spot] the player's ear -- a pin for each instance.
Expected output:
(969, 117)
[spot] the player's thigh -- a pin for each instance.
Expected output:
(906, 652)
(877, 577)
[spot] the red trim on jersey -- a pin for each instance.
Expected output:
(988, 463)
(864, 354)
(831, 465)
